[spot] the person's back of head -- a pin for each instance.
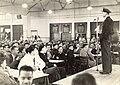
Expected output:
(84, 79)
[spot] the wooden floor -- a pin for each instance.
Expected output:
(106, 79)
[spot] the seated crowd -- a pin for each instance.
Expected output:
(37, 54)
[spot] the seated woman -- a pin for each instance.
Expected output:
(5, 77)
(93, 39)
(54, 72)
(61, 54)
(54, 51)
(77, 49)
(86, 52)
(32, 59)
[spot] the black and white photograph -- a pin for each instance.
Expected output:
(59, 42)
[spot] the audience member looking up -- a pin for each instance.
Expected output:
(34, 60)
(13, 59)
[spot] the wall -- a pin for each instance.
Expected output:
(11, 19)
(42, 25)
(42, 20)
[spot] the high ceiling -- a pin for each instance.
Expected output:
(14, 6)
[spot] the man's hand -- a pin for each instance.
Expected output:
(19, 57)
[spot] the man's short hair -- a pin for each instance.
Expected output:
(26, 68)
(15, 43)
(84, 79)
(26, 43)
(2, 57)
(13, 47)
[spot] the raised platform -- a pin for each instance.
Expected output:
(106, 79)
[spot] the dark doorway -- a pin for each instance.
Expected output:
(17, 32)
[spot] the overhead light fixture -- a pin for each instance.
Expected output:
(89, 8)
(24, 5)
(50, 11)
(69, 1)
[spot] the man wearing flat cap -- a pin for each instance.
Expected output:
(105, 39)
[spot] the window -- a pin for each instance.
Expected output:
(55, 28)
(66, 28)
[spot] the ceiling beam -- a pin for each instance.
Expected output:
(76, 8)
(43, 8)
(65, 5)
(46, 5)
(41, 5)
(5, 5)
(13, 1)
(118, 1)
(60, 1)
(34, 5)
(62, 6)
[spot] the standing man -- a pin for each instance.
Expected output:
(105, 39)
(25, 75)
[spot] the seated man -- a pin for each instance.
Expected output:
(84, 79)
(5, 76)
(13, 59)
(25, 75)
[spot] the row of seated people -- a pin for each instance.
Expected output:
(25, 76)
(17, 56)
(115, 50)
(72, 54)
(37, 55)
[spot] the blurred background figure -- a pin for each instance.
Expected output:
(5, 77)
(84, 79)
(70, 59)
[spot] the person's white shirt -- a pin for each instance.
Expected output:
(28, 60)
(83, 51)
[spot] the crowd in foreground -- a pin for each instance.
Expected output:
(29, 56)
(26, 76)
(37, 54)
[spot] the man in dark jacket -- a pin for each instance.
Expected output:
(70, 60)
(13, 58)
(105, 39)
